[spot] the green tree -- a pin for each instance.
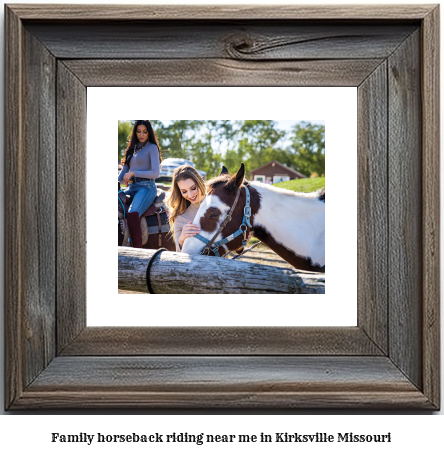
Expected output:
(255, 144)
(177, 139)
(308, 148)
(195, 140)
(124, 131)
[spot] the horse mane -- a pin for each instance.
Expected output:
(218, 181)
(223, 179)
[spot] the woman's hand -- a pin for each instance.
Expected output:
(189, 230)
(127, 176)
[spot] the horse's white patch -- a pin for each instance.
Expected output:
(194, 246)
(295, 220)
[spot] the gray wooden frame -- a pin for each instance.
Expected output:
(390, 360)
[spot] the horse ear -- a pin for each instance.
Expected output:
(240, 176)
(224, 171)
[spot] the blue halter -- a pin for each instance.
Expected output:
(214, 246)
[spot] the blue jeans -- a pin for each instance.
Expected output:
(144, 195)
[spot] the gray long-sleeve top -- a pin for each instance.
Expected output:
(145, 164)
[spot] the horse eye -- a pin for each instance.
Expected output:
(214, 215)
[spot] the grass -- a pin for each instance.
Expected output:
(303, 185)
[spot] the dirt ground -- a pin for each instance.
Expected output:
(264, 256)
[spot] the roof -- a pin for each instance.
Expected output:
(255, 171)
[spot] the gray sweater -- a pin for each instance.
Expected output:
(145, 164)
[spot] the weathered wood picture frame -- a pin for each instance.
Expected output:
(389, 360)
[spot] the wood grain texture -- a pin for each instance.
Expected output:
(256, 400)
(430, 94)
(71, 207)
(372, 207)
(179, 273)
(244, 41)
(220, 72)
(204, 381)
(220, 12)
(405, 209)
(206, 373)
(14, 302)
(131, 341)
(38, 222)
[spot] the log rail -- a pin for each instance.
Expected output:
(179, 273)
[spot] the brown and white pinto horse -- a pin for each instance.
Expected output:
(291, 224)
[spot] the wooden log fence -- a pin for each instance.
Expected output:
(179, 273)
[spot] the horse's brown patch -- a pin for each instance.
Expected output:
(218, 181)
(209, 222)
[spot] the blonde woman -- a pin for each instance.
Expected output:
(188, 190)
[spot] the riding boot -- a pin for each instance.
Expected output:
(135, 229)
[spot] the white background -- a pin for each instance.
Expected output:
(336, 106)
(412, 433)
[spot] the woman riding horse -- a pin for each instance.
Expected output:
(141, 168)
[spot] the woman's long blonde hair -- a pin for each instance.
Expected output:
(176, 203)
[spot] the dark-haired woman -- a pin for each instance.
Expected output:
(141, 167)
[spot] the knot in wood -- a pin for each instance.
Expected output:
(238, 46)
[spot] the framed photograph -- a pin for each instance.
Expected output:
(389, 359)
(249, 303)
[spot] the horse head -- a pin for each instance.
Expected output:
(221, 214)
